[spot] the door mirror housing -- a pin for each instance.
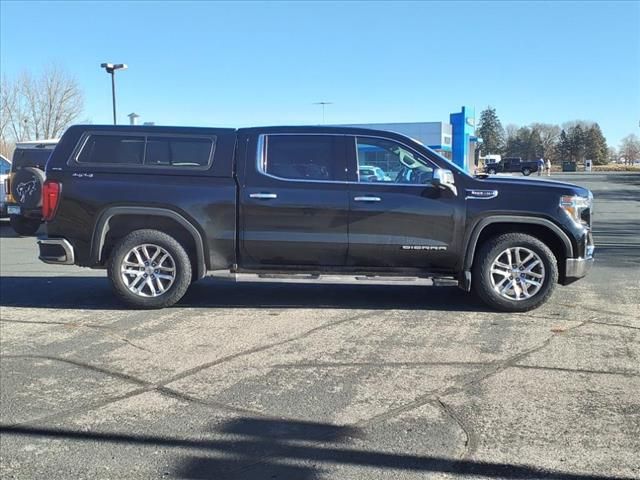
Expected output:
(443, 179)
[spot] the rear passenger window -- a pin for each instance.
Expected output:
(163, 151)
(113, 149)
(303, 157)
(179, 152)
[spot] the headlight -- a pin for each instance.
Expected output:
(578, 208)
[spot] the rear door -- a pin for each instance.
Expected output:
(401, 221)
(293, 201)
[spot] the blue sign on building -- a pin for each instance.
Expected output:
(463, 124)
(455, 140)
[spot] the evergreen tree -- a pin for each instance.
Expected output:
(577, 143)
(526, 144)
(491, 131)
(596, 145)
(563, 147)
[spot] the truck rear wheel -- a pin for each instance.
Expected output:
(492, 171)
(514, 272)
(526, 172)
(149, 269)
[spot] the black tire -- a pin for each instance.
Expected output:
(492, 171)
(26, 187)
(181, 262)
(491, 250)
(23, 226)
(526, 172)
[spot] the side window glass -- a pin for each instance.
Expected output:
(105, 149)
(178, 151)
(384, 161)
(303, 157)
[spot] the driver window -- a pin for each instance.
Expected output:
(384, 161)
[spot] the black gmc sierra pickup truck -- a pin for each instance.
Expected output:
(512, 165)
(159, 207)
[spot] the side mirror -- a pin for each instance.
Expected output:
(443, 179)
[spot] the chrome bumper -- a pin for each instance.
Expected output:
(57, 251)
(576, 268)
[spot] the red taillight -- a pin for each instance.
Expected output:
(50, 198)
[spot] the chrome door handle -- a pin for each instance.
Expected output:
(263, 196)
(367, 199)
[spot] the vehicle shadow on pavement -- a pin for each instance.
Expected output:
(6, 231)
(86, 292)
(258, 448)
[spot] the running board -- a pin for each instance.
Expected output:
(332, 278)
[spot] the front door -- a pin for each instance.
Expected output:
(397, 218)
(294, 201)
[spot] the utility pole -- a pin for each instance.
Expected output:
(323, 105)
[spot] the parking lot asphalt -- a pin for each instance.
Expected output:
(301, 381)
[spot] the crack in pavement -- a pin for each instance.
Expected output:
(496, 368)
(213, 363)
(101, 328)
(434, 396)
(578, 370)
(470, 442)
(161, 386)
(379, 364)
(619, 325)
(596, 310)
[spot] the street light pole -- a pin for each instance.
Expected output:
(111, 68)
(113, 94)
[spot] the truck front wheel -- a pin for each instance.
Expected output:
(149, 269)
(514, 272)
(526, 172)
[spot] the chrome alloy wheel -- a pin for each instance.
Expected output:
(517, 273)
(148, 270)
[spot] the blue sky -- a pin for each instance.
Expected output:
(245, 63)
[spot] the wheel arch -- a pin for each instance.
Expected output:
(541, 228)
(125, 219)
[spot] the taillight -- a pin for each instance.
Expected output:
(50, 199)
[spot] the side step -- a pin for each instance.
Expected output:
(333, 278)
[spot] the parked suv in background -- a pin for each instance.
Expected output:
(159, 207)
(5, 168)
(24, 186)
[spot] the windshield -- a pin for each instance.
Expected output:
(449, 164)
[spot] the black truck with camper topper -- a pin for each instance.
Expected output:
(159, 207)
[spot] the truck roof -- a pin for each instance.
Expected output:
(51, 142)
(255, 129)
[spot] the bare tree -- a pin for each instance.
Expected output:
(549, 135)
(511, 131)
(630, 149)
(39, 107)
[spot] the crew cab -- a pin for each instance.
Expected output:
(160, 207)
(510, 165)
